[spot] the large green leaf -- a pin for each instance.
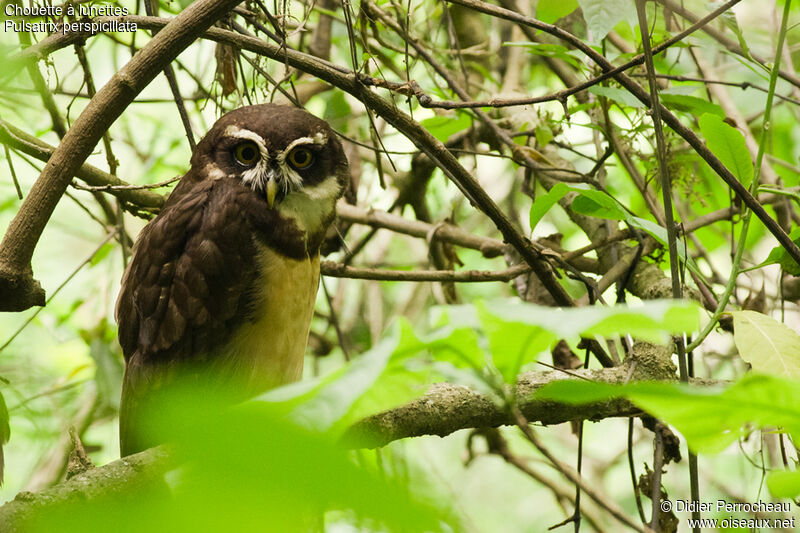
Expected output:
(710, 419)
(769, 346)
(513, 343)
(550, 11)
(690, 104)
(456, 345)
(543, 203)
(252, 471)
(784, 484)
(653, 320)
(728, 145)
(375, 381)
(598, 204)
(515, 333)
(602, 15)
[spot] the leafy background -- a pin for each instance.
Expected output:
(61, 366)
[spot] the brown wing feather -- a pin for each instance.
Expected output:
(188, 285)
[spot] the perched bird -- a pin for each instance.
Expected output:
(219, 294)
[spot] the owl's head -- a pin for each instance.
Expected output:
(290, 158)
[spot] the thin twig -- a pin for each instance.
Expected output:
(412, 88)
(57, 290)
(339, 270)
(570, 473)
(12, 171)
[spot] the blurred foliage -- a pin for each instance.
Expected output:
(250, 470)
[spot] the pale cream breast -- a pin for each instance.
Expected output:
(269, 351)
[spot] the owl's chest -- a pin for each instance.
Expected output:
(268, 350)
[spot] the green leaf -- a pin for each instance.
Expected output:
(653, 320)
(375, 381)
(691, 104)
(602, 15)
(102, 253)
(514, 344)
(685, 89)
(543, 203)
(577, 392)
(649, 322)
(550, 11)
(544, 134)
(458, 346)
(729, 18)
(251, 471)
(598, 204)
(769, 346)
(728, 145)
(620, 96)
(784, 484)
(710, 419)
(781, 256)
(660, 235)
(337, 108)
(518, 332)
(442, 127)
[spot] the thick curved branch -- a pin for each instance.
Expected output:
(448, 408)
(18, 289)
(19, 140)
(133, 473)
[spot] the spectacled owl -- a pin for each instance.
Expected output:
(219, 293)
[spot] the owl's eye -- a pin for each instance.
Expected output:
(246, 153)
(301, 158)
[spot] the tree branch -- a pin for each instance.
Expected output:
(447, 408)
(18, 289)
(133, 473)
(17, 139)
(670, 119)
(339, 270)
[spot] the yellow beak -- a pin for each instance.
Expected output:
(272, 190)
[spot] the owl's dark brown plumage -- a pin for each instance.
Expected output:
(220, 290)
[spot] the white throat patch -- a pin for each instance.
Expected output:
(311, 206)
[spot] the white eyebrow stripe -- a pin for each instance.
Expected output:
(319, 138)
(238, 133)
